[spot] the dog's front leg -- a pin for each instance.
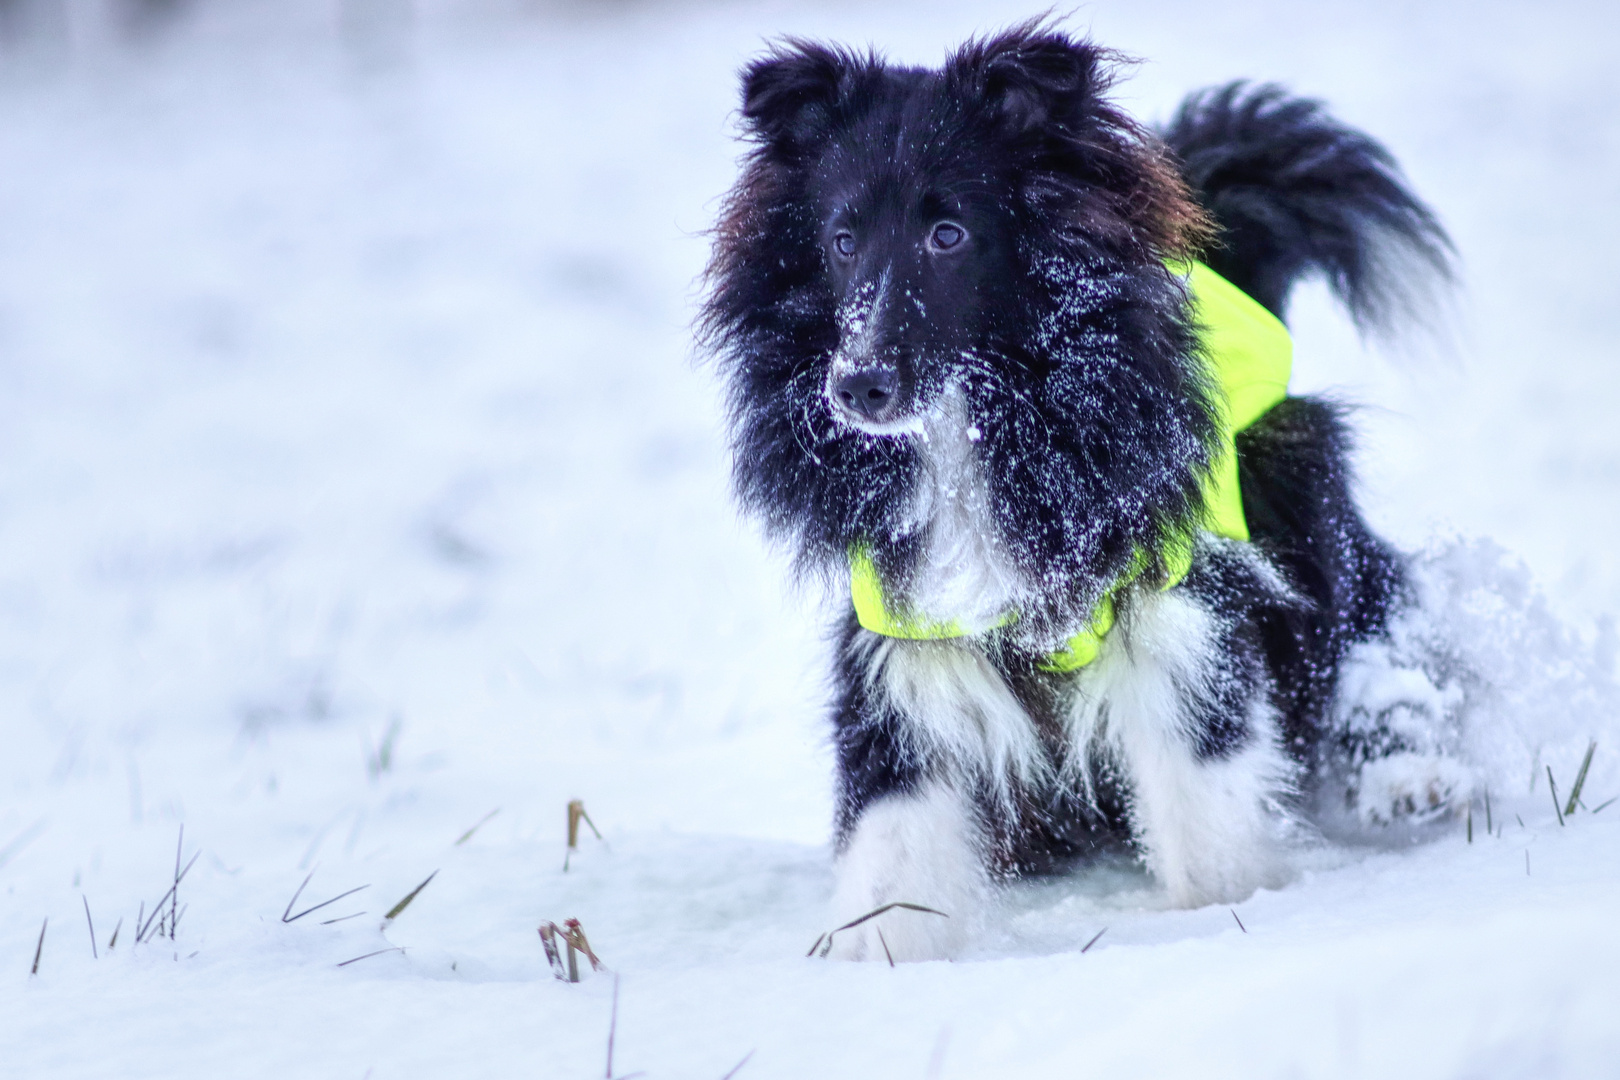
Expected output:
(910, 741)
(1190, 720)
(915, 847)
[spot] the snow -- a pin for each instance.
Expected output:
(345, 383)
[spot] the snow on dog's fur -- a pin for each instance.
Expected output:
(940, 301)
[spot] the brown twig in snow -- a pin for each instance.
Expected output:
(576, 814)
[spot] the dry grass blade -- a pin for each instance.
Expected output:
(405, 903)
(113, 942)
(576, 814)
(39, 948)
(341, 918)
(574, 935)
(1470, 823)
(1095, 938)
(145, 928)
(369, 955)
(326, 903)
(885, 945)
(567, 940)
(1580, 779)
(468, 835)
(1554, 787)
(826, 947)
(819, 939)
(1601, 805)
(174, 893)
(381, 759)
(737, 1068)
(1487, 811)
(1241, 927)
(549, 934)
(287, 911)
(613, 1026)
(94, 954)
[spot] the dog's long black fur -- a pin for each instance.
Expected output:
(1071, 352)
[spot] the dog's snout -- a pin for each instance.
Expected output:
(870, 393)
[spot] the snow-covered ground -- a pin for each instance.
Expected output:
(356, 482)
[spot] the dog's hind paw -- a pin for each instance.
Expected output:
(1410, 788)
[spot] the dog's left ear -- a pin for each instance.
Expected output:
(1033, 77)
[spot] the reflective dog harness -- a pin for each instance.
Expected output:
(1250, 355)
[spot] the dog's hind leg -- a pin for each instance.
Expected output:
(930, 739)
(1180, 700)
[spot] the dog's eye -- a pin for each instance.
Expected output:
(946, 235)
(844, 244)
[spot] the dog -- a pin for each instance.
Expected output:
(963, 321)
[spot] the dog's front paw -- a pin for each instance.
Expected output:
(916, 849)
(1410, 788)
(904, 933)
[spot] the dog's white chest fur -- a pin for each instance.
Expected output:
(965, 575)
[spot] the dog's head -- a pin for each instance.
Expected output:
(992, 234)
(920, 189)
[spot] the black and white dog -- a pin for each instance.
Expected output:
(962, 367)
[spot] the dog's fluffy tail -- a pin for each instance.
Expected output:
(1296, 192)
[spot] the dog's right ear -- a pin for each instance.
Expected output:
(792, 97)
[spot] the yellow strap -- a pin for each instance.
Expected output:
(1250, 354)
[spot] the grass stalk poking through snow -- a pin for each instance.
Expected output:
(40, 947)
(94, 954)
(576, 814)
(1554, 788)
(1241, 927)
(1098, 937)
(381, 759)
(143, 930)
(570, 936)
(737, 1068)
(405, 903)
(468, 835)
(1580, 780)
(287, 916)
(613, 1026)
(1487, 811)
(369, 955)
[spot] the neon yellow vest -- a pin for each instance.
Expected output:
(1250, 355)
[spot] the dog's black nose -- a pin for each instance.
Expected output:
(869, 393)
